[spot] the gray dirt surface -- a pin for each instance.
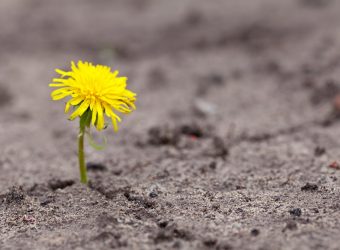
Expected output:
(233, 146)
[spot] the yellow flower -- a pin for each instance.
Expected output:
(95, 88)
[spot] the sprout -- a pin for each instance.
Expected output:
(94, 92)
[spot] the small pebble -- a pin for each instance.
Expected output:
(295, 212)
(255, 232)
(309, 187)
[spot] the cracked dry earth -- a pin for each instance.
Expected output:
(233, 146)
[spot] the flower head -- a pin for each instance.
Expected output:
(94, 88)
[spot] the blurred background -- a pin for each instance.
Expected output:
(247, 67)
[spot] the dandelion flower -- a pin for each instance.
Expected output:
(93, 91)
(95, 88)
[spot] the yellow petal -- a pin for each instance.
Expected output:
(110, 113)
(57, 85)
(100, 121)
(114, 124)
(76, 100)
(81, 110)
(67, 107)
(94, 116)
(60, 95)
(63, 73)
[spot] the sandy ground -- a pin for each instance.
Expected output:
(231, 146)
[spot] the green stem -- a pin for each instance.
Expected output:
(81, 155)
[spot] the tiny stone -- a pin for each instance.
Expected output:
(309, 187)
(153, 194)
(55, 184)
(92, 166)
(296, 212)
(212, 165)
(255, 232)
(334, 165)
(319, 151)
(163, 224)
(204, 108)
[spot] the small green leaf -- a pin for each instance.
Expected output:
(85, 119)
(93, 144)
